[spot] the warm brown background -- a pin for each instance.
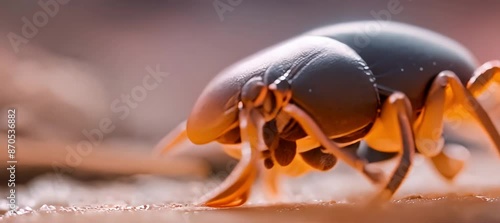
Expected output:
(116, 40)
(91, 52)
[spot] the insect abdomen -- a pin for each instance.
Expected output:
(403, 57)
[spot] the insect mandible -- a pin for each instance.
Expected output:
(299, 103)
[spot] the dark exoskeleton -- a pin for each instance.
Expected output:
(298, 104)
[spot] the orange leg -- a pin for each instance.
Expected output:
(485, 82)
(172, 140)
(315, 132)
(392, 131)
(312, 159)
(484, 77)
(449, 160)
(446, 94)
(235, 190)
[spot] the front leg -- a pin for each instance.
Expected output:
(315, 132)
(307, 161)
(235, 190)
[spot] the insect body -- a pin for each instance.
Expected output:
(300, 102)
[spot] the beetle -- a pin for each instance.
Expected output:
(299, 103)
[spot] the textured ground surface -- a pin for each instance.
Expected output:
(337, 196)
(439, 209)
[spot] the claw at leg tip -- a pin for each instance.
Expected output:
(382, 197)
(219, 204)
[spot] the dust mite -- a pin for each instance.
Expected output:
(293, 107)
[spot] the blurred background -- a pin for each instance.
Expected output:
(72, 67)
(111, 43)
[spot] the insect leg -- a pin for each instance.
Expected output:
(396, 118)
(235, 189)
(484, 77)
(313, 130)
(314, 159)
(173, 139)
(372, 155)
(451, 160)
(233, 150)
(307, 161)
(318, 159)
(448, 159)
(461, 96)
(429, 125)
(270, 177)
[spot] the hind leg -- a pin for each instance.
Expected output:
(449, 160)
(486, 79)
(447, 94)
(485, 84)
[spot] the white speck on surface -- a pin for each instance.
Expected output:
(421, 69)
(402, 69)
(310, 89)
(434, 63)
(47, 208)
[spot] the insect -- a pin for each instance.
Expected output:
(299, 103)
